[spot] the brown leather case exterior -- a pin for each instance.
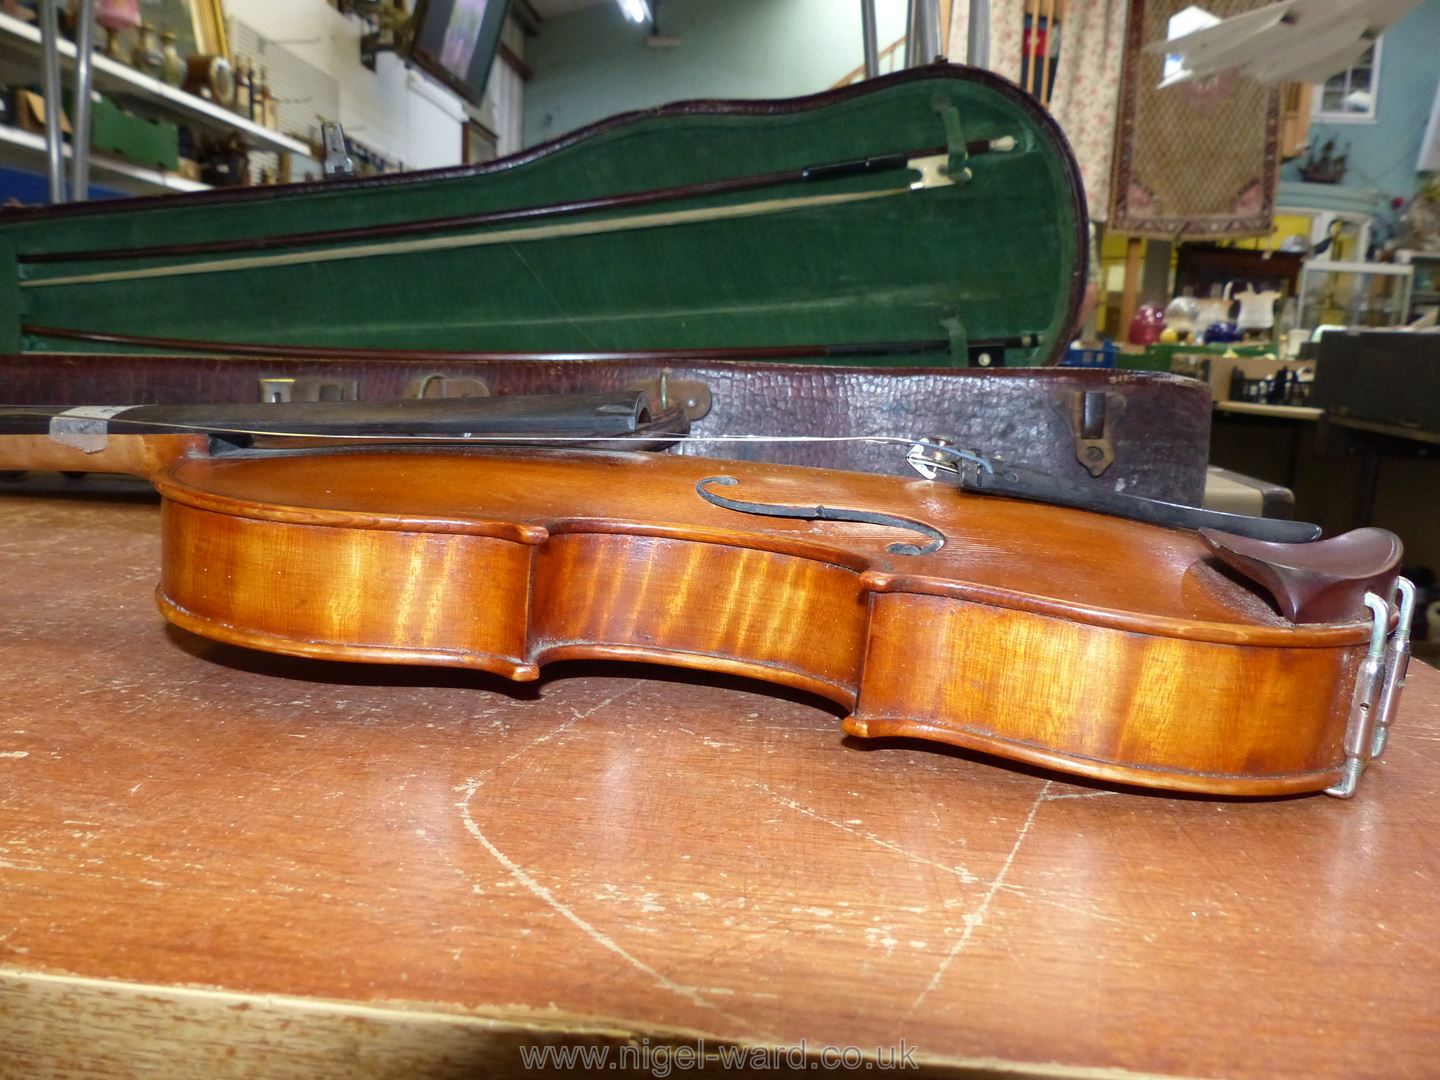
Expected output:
(1154, 427)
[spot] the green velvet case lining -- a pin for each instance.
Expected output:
(997, 255)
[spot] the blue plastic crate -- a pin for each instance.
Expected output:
(1103, 357)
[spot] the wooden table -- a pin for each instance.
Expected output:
(1278, 412)
(218, 862)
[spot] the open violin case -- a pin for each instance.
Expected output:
(858, 262)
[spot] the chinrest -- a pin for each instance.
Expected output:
(1321, 582)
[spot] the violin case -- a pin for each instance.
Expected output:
(858, 262)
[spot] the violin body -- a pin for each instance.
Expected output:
(1063, 638)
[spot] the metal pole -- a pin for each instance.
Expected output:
(50, 83)
(927, 33)
(872, 46)
(84, 73)
(910, 32)
(977, 44)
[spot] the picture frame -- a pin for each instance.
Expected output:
(199, 25)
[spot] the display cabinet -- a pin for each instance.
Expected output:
(1354, 294)
(1425, 287)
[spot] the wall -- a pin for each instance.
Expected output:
(1383, 153)
(397, 112)
(592, 63)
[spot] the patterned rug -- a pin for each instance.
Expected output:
(1195, 160)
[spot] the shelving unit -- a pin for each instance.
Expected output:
(19, 38)
(27, 149)
(1354, 294)
(1425, 291)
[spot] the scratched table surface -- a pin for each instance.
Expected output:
(220, 862)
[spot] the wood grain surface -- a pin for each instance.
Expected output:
(220, 862)
(1104, 647)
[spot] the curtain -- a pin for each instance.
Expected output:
(1007, 21)
(1086, 96)
(507, 91)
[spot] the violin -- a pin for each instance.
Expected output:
(950, 606)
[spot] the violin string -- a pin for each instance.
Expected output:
(502, 439)
(935, 444)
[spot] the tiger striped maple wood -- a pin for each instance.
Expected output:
(1071, 640)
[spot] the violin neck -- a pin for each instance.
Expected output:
(133, 455)
(54, 440)
(143, 439)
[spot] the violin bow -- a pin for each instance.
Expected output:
(922, 160)
(446, 235)
(811, 351)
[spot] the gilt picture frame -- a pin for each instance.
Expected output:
(199, 25)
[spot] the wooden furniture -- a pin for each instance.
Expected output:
(1386, 377)
(1203, 267)
(1044, 24)
(1295, 101)
(1282, 412)
(218, 862)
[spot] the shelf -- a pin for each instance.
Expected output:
(1284, 412)
(1414, 434)
(1340, 198)
(116, 78)
(27, 149)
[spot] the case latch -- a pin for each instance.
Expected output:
(1092, 416)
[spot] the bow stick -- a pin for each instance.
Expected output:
(933, 170)
(847, 351)
(835, 170)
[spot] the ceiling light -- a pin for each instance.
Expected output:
(637, 11)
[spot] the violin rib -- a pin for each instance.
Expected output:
(1067, 639)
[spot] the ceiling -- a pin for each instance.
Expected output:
(549, 9)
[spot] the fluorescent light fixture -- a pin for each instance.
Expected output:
(1185, 22)
(1430, 144)
(637, 11)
